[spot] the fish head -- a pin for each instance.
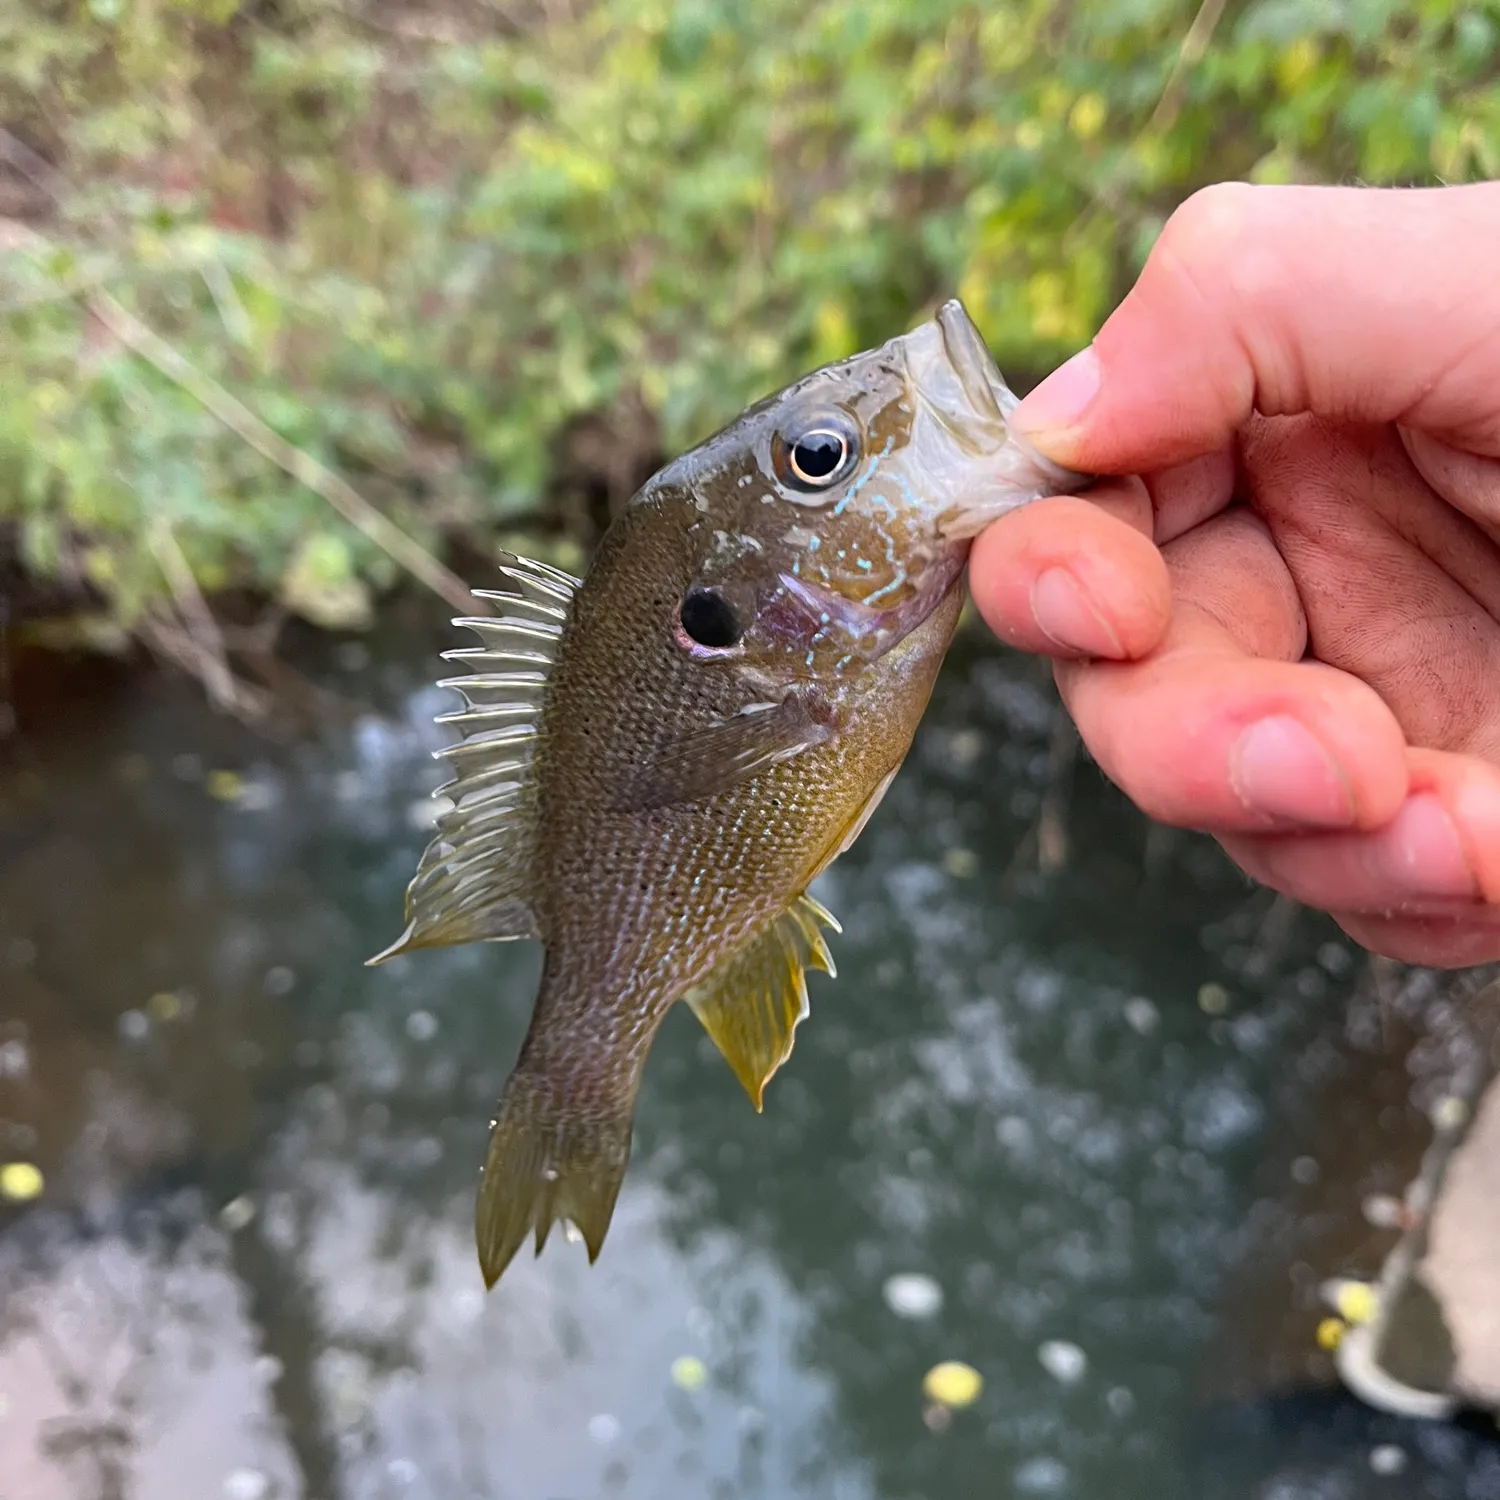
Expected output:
(826, 523)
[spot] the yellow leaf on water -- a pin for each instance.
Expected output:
(20, 1181)
(1356, 1301)
(953, 1383)
(164, 1007)
(1331, 1333)
(1213, 999)
(225, 786)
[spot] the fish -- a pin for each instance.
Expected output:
(655, 762)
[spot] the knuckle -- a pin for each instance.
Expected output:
(1208, 227)
(1229, 244)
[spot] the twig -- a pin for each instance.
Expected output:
(302, 467)
(238, 417)
(1272, 935)
(177, 644)
(232, 312)
(1189, 55)
(14, 152)
(7, 702)
(64, 290)
(196, 615)
(1190, 52)
(1052, 818)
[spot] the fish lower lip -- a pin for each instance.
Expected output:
(973, 363)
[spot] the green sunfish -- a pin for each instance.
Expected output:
(657, 761)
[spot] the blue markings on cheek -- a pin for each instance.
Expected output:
(891, 587)
(863, 564)
(907, 492)
(864, 478)
(814, 542)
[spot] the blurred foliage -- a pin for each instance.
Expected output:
(491, 259)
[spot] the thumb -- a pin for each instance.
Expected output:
(1359, 304)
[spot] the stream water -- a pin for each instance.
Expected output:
(1068, 1088)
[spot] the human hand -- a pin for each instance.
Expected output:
(1309, 379)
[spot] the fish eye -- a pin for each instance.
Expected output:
(709, 619)
(818, 454)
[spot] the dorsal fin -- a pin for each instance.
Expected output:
(751, 1004)
(473, 883)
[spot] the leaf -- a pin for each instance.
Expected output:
(445, 248)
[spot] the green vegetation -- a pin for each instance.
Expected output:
(489, 260)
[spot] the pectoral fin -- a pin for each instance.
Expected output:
(710, 760)
(751, 1005)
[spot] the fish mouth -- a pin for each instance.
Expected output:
(957, 380)
(865, 631)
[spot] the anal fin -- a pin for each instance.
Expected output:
(751, 1005)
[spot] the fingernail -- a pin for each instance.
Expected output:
(1062, 398)
(1067, 619)
(1278, 768)
(1424, 850)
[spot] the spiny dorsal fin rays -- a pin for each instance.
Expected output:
(473, 882)
(752, 1003)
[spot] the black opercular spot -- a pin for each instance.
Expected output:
(709, 619)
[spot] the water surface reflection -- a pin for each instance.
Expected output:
(1066, 1097)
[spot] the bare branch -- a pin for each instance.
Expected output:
(1194, 45)
(302, 467)
(15, 153)
(196, 615)
(238, 417)
(1190, 52)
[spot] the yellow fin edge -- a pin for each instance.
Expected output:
(752, 1004)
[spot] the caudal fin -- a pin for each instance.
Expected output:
(550, 1159)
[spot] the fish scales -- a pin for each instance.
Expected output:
(660, 759)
